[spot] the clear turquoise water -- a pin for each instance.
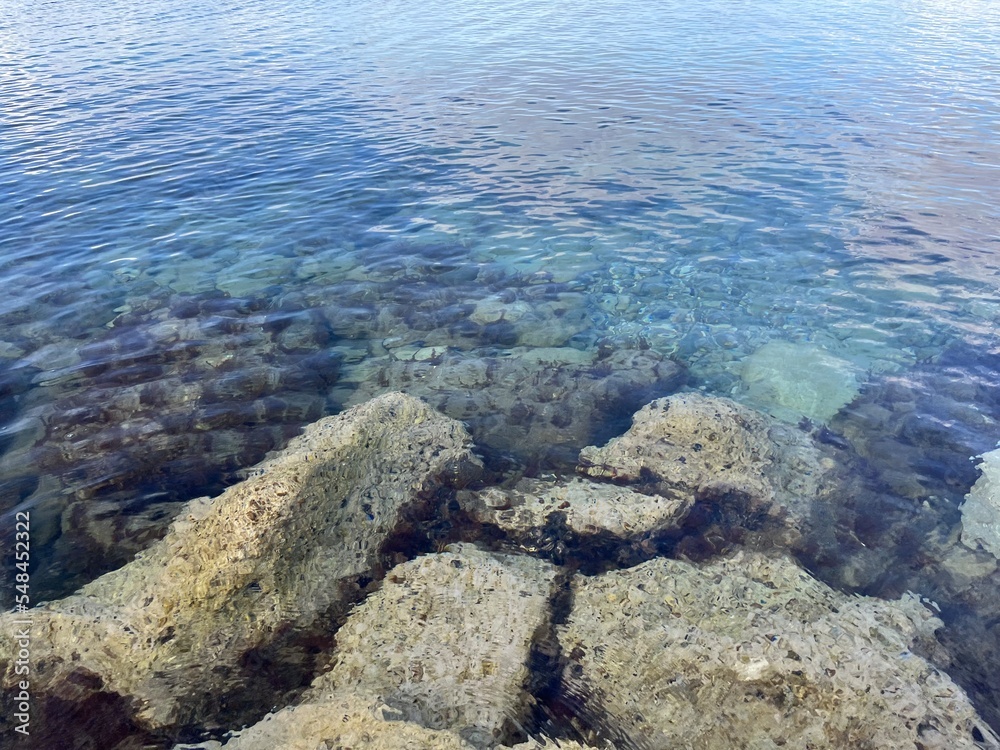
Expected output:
(700, 179)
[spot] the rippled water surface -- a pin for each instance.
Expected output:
(223, 220)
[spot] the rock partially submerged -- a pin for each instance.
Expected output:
(981, 510)
(442, 651)
(720, 452)
(177, 630)
(447, 642)
(750, 651)
(232, 612)
(539, 514)
(177, 396)
(348, 722)
(345, 721)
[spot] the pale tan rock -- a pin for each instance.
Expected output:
(716, 450)
(447, 641)
(345, 721)
(981, 509)
(586, 508)
(355, 722)
(271, 555)
(750, 651)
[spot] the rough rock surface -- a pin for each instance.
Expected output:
(541, 405)
(547, 743)
(345, 721)
(718, 450)
(584, 508)
(272, 555)
(447, 642)
(350, 721)
(791, 381)
(981, 510)
(751, 651)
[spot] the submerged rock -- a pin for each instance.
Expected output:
(171, 401)
(539, 405)
(721, 453)
(349, 722)
(345, 721)
(179, 630)
(750, 651)
(791, 381)
(447, 642)
(981, 510)
(540, 515)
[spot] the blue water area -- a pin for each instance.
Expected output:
(220, 221)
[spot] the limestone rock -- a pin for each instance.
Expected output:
(717, 450)
(273, 555)
(981, 510)
(751, 651)
(584, 507)
(345, 721)
(447, 641)
(791, 381)
(350, 721)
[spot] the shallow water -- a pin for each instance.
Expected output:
(221, 221)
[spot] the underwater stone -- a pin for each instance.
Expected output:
(419, 353)
(496, 308)
(554, 356)
(718, 451)
(750, 651)
(981, 510)
(273, 556)
(552, 324)
(447, 642)
(965, 567)
(526, 404)
(791, 381)
(345, 721)
(585, 507)
(253, 273)
(182, 393)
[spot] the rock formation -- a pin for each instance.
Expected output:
(750, 651)
(545, 516)
(344, 721)
(300, 575)
(272, 558)
(447, 641)
(720, 452)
